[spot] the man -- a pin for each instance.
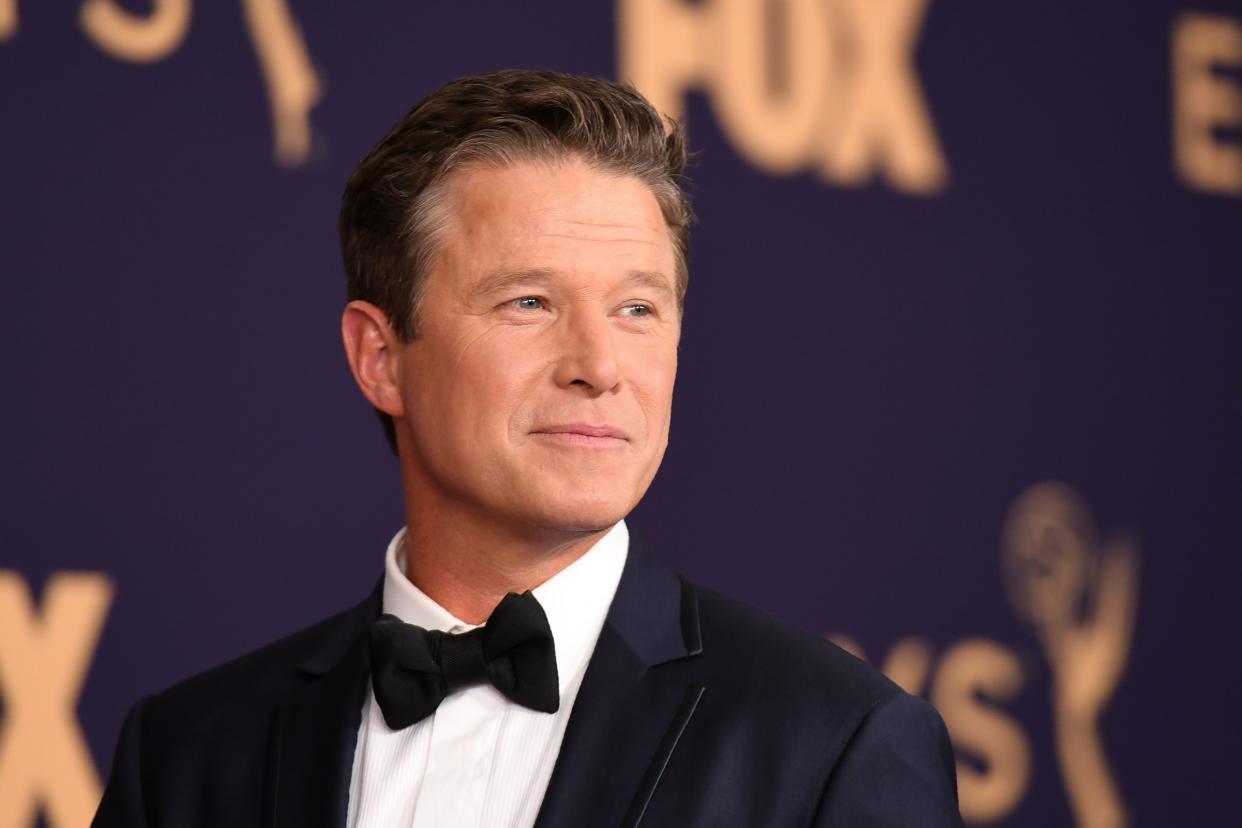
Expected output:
(516, 256)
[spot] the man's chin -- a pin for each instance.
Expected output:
(580, 517)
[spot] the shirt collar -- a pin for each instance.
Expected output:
(576, 599)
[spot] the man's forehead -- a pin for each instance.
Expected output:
(528, 222)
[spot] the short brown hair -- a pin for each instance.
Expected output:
(388, 211)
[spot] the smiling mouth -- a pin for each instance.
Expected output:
(583, 435)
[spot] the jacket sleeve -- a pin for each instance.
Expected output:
(122, 805)
(897, 770)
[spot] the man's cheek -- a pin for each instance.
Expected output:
(655, 398)
(479, 346)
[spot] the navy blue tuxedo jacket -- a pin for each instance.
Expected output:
(695, 711)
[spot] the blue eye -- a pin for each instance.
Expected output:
(529, 303)
(637, 310)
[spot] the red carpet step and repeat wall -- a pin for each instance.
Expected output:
(960, 380)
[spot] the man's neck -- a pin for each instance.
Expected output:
(467, 567)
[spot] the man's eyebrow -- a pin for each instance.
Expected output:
(506, 279)
(653, 279)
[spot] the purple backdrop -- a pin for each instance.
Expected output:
(869, 378)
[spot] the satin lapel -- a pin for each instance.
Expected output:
(315, 729)
(629, 714)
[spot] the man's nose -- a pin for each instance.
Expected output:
(588, 355)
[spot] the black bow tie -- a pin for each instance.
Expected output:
(413, 669)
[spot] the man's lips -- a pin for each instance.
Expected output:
(587, 435)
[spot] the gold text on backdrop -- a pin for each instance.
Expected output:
(971, 671)
(292, 85)
(1079, 595)
(44, 655)
(1206, 101)
(967, 684)
(8, 18)
(825, 85)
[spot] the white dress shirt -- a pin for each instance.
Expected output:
(480, 760)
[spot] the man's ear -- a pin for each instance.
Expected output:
(372, 348)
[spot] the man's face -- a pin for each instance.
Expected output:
(539, 388)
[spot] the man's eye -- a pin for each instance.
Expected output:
(636, 310)
(528, 303)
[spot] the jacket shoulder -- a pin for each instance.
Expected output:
(767, 658)
(785, 698)
(256, 680)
